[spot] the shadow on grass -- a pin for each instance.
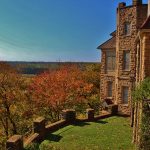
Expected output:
(101, 122)
(54, 137)
(80, 124)
(58, 137)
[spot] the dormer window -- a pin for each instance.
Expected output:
(127, 28)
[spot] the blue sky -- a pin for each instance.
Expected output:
(55, 30)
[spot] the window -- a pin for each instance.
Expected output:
(125, 94)
(109, 89)
(127, 28)
(110, 60)
(126, 60)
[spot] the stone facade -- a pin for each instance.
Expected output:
(142, 71)
(132, 45)
(143, 55)
(105, 78)
(133, 17)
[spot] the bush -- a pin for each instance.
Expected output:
(141, 94)
(95, 103)
(145, 128)
(142, 91)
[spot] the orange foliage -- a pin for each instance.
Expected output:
(10, 94)
(60, 89)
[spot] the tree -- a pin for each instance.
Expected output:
(140, 97)
(12, 96)
(60, 89)
(92, 75)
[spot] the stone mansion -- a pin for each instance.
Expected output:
(125, 57)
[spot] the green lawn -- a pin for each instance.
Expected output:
(108, 134)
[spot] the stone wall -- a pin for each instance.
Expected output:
(143, 56)
(41, 130)
(145, 62)
(135, 15)
(143, 69)
(105, 78)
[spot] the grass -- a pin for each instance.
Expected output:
(113, 133)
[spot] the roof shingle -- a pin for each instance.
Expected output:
(109, 44)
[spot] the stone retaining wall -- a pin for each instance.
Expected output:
(41, 130)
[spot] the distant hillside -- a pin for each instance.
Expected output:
(39, 67)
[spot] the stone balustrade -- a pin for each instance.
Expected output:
(15, 143)
(90, 114)
(40, 130)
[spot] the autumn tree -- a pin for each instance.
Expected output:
(91, 75)
(12, 96)
(56, 90)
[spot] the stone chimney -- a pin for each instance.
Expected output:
(148, 8)
(122, 5)
(136, 2)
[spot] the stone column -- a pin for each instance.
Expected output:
(134, 135)
(69, 115)
(136, 2)
(39, 127)
(146, 58)
(90, 114)
(15, 143)
(113, 109)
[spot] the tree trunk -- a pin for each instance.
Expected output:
(5, 125)
(11, 120)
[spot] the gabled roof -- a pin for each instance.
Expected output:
(109, 44)
(113, 33)
(146, 24)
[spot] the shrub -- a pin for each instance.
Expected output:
(145, 128)
(141, 94)
(142, 91)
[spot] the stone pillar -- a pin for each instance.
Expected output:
(90, 114)
(113, 109)
(121, 5)
(146, 59)
(15, 143)
(69, 115)
(39, 127)
(137, 2)
(134, 135)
